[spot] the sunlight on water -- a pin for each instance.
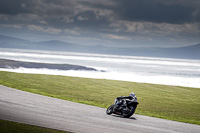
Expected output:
(179, 72)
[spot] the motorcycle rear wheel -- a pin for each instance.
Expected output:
(109, 110)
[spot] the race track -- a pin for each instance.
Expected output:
(24, 107)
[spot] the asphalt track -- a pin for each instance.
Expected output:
(24, 107)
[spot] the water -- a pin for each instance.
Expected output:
(178, 72)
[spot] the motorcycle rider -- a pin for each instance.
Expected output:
(119, 102)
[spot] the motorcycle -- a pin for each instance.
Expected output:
(123, 107)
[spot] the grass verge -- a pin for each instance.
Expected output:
(167, 102)
(14, 127)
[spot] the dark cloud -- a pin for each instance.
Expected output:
(103, 4)
(156, 11)
(14, 7)
(110, 21)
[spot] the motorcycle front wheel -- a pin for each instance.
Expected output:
(129, 113)
(109, 110)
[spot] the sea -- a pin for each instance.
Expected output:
(165, 71)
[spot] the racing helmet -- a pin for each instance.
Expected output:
(132, 94)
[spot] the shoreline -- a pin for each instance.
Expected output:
(99, 75)
(65, 69)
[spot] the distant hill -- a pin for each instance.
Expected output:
(188, 52)
(11, 42)
(4, 63)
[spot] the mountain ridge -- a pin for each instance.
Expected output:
(185, 52)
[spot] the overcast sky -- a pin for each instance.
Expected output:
(120, 23)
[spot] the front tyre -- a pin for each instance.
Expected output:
(129, 112)
(109, 110)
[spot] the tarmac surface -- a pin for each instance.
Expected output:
(33, 109)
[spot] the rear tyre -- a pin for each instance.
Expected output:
(109, 110)
(129, 113)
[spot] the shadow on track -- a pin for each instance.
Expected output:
(131, 118)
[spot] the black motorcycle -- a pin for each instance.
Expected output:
(123, 107)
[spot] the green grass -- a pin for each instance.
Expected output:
(14, 127)
(168, 102)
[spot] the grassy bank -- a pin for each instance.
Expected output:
(13, 127)
(168, 102)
